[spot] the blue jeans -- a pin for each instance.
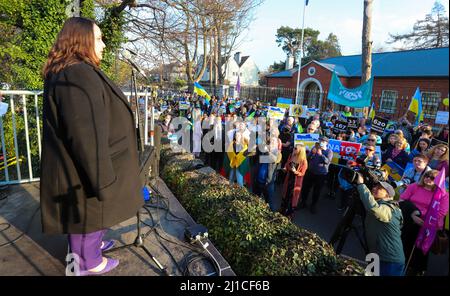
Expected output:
(239, 177)
(268, 192)
(391, 269)
(270, 196)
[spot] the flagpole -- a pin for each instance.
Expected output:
(301, 54)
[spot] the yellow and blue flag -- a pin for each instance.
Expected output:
(198, 89)
(372, 111)
(416, 106)
(395, 172)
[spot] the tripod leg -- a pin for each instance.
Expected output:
(342, 239)
(343, 224)
(342, 230)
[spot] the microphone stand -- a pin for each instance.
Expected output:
(139, 240)
(139, 128)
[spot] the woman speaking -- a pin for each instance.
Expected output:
(89, 167)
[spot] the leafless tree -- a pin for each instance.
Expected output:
(194, 33)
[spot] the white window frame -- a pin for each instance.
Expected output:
(388, 97)
(430, 103)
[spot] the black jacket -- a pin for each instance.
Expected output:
(89, 167)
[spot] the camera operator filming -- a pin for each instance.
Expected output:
(383, 225)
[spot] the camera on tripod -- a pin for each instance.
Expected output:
(371, 175)
(350, 173)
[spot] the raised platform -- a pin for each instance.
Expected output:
(38, 254)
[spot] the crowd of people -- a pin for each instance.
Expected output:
(262, 159)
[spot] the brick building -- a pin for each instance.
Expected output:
(396, 77)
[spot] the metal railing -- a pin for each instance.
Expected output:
(20, 130)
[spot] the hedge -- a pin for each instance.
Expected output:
(253, 239)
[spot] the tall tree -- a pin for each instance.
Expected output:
(289, 40)
(431, 32)
(318, 49)
(28, 30)
(277, 67)
(196, 33)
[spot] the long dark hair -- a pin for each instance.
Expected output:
(75, 43)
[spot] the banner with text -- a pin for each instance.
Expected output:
(352, 122)
(276, 112)
(307, 139)
(379, 125)
(344, 150)
(340, 127)
(355, 97)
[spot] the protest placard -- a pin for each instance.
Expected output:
(340, 127)
(297, 110)
(442, 117)
(352, 122)
(307, 139)
(276, 112)
(284, 103)
(184, 105)
(379, 124)
(344, 150)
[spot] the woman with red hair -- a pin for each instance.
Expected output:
(89, 166)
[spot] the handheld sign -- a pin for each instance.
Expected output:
(309, 140)
(276, 113)
(184, 105)
(340, 127)
(310, 112)
(284, 103)
(442, 117)
(344, 150)
(352, 122)
(296, 110)
(379, 125)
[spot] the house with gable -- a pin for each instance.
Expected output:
(242, 66)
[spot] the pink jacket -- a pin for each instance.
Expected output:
(421, 198)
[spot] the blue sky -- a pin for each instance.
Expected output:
(343, 18)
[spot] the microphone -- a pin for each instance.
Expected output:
(127, 56)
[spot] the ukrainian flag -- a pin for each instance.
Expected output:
(372, 111)
(198, 89)
(416, 106)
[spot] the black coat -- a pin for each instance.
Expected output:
(89, 166)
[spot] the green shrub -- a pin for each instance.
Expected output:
(252, 238)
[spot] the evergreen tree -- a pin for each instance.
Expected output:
(431, 32)
(289, 40)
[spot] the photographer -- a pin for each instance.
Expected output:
(383, 226)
